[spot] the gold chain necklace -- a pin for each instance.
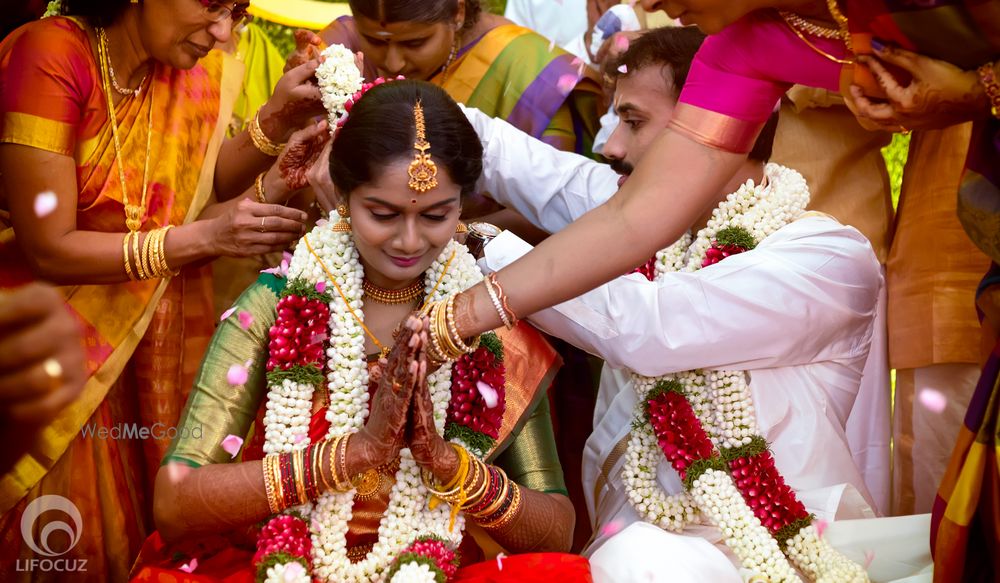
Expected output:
(133, 213)
(393, 296)
(383, 349)
(812, 46)
(841, 20)
(803, 25)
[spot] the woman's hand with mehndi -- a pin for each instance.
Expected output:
(938, 95)
(294, 102)
(429, 448)
(303, 151)
(380, 440)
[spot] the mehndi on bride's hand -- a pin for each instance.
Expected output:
(380, 440)
(429, 448)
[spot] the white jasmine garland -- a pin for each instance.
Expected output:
(339, 79)
(289, 408)
(723, 404)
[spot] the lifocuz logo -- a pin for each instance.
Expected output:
(41, 547)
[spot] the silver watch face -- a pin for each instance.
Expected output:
(485, 230)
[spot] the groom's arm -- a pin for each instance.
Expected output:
(549, 187)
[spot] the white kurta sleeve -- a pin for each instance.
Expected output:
(549, 187)
(807, 293)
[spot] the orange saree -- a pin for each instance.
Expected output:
(143, 339)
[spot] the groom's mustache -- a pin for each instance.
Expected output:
(622, 167)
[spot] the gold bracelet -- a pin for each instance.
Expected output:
(501, 496)
(338, 461)
(273, 503)
(258, 188)
(508, 514)
(128, 263)
(476, 497)
(496, 302)
(147, 254)
(137, 258)
(266, 145)
(445, 344)
(298, 466)
(164, 266)
(318, 459)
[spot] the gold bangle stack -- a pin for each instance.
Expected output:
(338, 463)
(266, 145)
(298, 466)
(272, 483)
(151, 262)
(508, 514)
(456, 492)
(258, 188)
(446, 345)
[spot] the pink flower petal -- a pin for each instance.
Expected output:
(317, 338)
(500, 558)
(623, 69)
(612, 528)
(621, 42)
(576, 62)
(177, 471)
(321, 222)
(227, 313)
(293, 571)
(933, 401)
(189, 567)
(237, 375)
(232, 444)
(246, 319)
(566, 83)
(489, 394)
(320, 286)
(45, 203)
(552, 45)
(300, 438)
(820, 525)
(869, 557)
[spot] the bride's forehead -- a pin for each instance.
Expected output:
(391, 184)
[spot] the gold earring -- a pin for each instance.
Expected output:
(461, 228)
(343, 225)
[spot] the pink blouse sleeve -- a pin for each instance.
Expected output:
(739, 75)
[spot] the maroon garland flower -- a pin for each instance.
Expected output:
(678, 431)
(468, 406)
(647, 269)
(285, 533)
(767, 494)
(299, 323)
(434, 549)
(719, 251)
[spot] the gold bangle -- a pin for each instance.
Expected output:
(495, 504)
(258, 188)
(487, 281)
(163, 253)
(272, 502)
(298, 466)
(147, 254)
(318, 459)
(137, 258)
(338, 461)
(508, 514)
(476, 498)
(266, 145)
(128, 263)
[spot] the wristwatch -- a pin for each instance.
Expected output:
(480, 234)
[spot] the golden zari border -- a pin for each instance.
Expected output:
(715, 130)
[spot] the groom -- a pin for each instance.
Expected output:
(796, 313)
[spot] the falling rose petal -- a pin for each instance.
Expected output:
(246, 319)
(580, 68)
(576, 62)
(566, 83)
(552, 45)
(489, 394)
(232, 444)
(933, 401)
(632, 3)
(227, 313)
(869, 557)
(299, 438)
(321, 222)
(623, 69)
(317, 338)
(621, 42)
(177, 472)
(320, 286)
(237, 375)
(293, 572)
(612, 528)
(189, 567)
(820, 525)
(45, 203)
(500, 558)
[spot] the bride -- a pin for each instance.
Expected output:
(354, 461)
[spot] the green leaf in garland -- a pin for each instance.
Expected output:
(699, 467)
(439, 576)
(490, 341)
(307, 374)
(756, 446)
(787, 532)
(736, 236)
(479, 443)
(302, 288)
(275, 559)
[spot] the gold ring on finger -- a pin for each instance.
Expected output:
(262, 229)
(54, 371)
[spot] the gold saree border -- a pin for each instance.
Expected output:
(715, 130)
(39, 132)
(55, 438)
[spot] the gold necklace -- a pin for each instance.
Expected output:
(812, 46)
(133, 213)
(383, 349)
(451, 59)
(393, 296)
(841, 20)
(807, 27)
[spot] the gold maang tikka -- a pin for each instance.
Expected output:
(423, 171)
